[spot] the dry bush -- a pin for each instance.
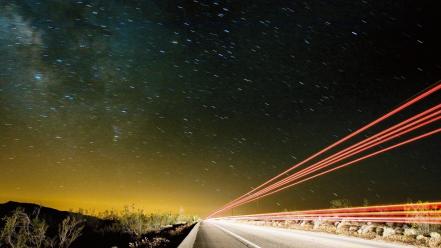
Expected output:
(38, 232)
(22, 231)
(136, 222)
(69, 230)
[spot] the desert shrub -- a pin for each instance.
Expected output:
(38, 232)
(136, 222)
(22, 231)
(69, 230)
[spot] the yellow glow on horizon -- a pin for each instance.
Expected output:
(99, 186)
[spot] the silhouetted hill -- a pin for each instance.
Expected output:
(51, 215)
(97, 232)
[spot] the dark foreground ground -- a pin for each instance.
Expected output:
(98, 232)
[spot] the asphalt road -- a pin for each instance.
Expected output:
(218, 234)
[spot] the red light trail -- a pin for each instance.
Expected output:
(338, 167)
(379, 140)
(320, 164)
(351, 135)
(422, 119)
(399, 213)
(352, 152)
(378, 208)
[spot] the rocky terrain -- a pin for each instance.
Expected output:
(421, 235)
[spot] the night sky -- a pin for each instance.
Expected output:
(184, 105)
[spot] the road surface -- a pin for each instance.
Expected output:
(219, 234)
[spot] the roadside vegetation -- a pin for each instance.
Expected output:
(418, 234)
(39, 227)
(136, 222)
(21, 231)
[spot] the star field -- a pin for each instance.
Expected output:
(170, 104)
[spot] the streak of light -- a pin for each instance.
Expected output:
(351, 162)
(376, 142)
(429, 213)
(351, 135)
(386, 136)
(380, 119)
